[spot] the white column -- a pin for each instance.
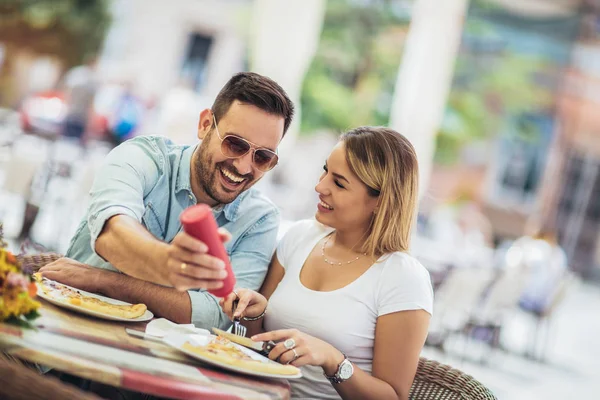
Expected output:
(285, 36)
(425, 76)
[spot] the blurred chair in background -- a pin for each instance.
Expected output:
(456, 301)
(542, 318)
(533, 279)
(23, 179)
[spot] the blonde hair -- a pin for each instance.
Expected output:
(386, 162)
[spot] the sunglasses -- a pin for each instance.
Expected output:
(235, 147)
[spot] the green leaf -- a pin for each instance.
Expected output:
(20, 322)
(32, 315)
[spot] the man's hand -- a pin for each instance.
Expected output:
(74, 273)
(189, 265)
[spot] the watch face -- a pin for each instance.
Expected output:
(346, 370)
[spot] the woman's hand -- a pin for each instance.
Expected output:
(251, 304)
(298, 348)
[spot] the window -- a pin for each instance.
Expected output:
(522, 152)
(194, 65)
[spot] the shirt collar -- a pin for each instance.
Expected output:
(184, 174)
(183, 182)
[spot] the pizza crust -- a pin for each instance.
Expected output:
(130, 311)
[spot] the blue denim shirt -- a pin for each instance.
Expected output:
(148, 179)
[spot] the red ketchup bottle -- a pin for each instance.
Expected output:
(198, 221)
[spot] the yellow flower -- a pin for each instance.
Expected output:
(15, 300)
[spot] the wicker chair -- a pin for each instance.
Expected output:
(433, 381)
(442, 382)
(33, 262)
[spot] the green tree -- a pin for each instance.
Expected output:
(490, 87)
(68, 29)
(352, 77)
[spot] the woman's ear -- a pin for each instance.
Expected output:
(376, 210)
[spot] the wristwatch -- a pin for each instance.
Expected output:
(344, 372)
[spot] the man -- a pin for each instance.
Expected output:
(132, 224)
(80, 86)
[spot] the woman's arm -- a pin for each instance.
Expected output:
(274, 276)
(399, 338)
(253, 304)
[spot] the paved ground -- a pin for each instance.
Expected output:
(572, 368)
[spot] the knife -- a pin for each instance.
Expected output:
(143, 335)
(263, 348)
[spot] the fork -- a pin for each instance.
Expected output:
(238, 329)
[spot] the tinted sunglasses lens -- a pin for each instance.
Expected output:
(265, 160)
(234, 147)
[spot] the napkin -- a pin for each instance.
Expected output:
(162, 327)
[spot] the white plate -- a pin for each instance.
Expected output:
(178, 340)
(63, 303)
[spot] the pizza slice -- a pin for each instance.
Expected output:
(224, 351)
(63, 293)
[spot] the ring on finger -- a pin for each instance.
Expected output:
(289, 344)
(296, 356)
(237, 296)
(183, 266)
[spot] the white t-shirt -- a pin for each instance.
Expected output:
(344, 318)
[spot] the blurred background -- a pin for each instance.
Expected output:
(499, 97)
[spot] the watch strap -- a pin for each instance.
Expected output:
(336, 378)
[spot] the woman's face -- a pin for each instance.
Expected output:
(344, 201)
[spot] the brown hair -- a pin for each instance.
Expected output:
(257, 90)
(386, 162)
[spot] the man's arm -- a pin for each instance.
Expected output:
(129, 172)
(162, 301)
(133, 250)
(249, 261)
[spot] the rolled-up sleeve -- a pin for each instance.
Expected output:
(128, 173)
(249, 261)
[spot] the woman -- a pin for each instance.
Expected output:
(346, 302)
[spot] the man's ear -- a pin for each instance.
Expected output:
(205, 122)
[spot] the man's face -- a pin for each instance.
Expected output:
(221, 178)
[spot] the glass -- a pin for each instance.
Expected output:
(235, 147)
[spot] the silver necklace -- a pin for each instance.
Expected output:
(335, 262)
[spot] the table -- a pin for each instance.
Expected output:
(102, 351)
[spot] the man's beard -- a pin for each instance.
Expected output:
(209, 179)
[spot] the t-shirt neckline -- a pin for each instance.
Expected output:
(311, 247)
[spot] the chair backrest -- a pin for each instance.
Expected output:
(458, 295)
(503, 296)
(567, 283)
(33, 262)
(436, 381)
(26, 157)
